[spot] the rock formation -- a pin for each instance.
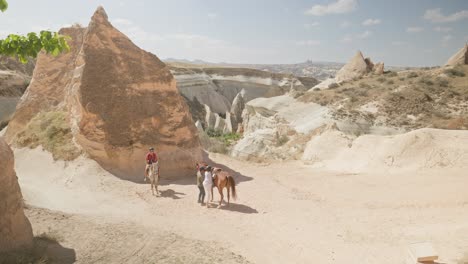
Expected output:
(118, 100)
(229, 124)
(210, 118)
(238, 106)
(217, 87)
(356, 68)
(15, 229)
(459, 58)
(219, 124)
(379, 68)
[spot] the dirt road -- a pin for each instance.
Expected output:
(286, 213)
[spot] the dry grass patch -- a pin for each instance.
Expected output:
(51, 130)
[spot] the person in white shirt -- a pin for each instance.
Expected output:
(208, 184)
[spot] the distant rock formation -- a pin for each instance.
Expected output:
(379, 68)
(118, 100)
(218, 86)
(357, 67)
(459, 58)
(237, 107)
(15, 229)
(210, 118)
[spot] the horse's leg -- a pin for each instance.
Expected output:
(229, 193)
(221, 194)
(156, 183)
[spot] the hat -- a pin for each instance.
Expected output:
(151, 148)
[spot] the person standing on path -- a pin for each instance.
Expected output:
(201, 188)
(208, 184)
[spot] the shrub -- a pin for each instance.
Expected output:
(401, 78)
(316, 89)
(213, 133)
(281, 140)
(381, 79)
(412, 75)
(443, 82)
(454, 72)
(392, 74)
(390, 82)
(426, 80)
(333, 85)
(362, 93)
(365, 86)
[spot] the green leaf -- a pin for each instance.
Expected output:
(3, 5)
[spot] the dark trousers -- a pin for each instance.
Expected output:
(201, 195)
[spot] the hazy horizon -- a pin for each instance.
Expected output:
(399, 33)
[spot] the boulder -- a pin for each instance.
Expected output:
(117, 98)
(459, 58)
(15, 229)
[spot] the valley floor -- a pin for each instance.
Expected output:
(286, 213)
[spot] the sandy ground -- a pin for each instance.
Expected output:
(286, 213)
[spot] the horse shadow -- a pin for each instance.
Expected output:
(239, 208)
(169, 193)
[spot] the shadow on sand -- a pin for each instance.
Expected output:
(44, 251)
(239, 208)
(169, 193)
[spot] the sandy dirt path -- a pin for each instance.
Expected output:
(286, 212)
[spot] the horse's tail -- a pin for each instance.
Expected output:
(232, 182)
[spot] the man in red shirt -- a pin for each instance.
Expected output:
(151, 158)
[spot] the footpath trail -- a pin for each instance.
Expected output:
(287, 212)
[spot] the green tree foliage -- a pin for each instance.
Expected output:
(29, 46)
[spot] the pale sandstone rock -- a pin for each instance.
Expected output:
(459, 58)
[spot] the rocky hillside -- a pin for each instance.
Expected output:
(14, 78)
(363, 99)
(217, 87)
(109, 99)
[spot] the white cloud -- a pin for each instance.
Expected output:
(347, 39)
(447, 38)
(338, 7)
(436, 16)
(371, 22)
(345, 24)
(311, 25)
(365, 34)
(212, 15)
(307, 42)
(414, 29)
(121, 22)
(399, 43)
(443, 29)
(350, 38)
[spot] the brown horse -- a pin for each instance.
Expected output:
(221, 180)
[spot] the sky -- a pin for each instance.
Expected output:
(397, 32)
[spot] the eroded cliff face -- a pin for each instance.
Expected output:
(118, 100)
(15, 229)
